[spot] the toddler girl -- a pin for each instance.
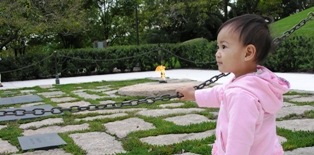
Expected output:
(246, 122)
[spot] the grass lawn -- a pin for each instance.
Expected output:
(279, 27)
(131, 143)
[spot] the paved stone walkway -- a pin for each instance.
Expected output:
(107, 142)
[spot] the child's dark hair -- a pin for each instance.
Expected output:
(252, 29)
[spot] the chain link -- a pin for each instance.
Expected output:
(148, 100)
(294, 28)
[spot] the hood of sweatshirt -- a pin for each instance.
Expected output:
(266, 86)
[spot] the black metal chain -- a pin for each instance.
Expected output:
(148, 100)
(93, 107)
(294, 28)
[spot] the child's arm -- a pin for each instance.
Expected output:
(243, 113)
(209, 97)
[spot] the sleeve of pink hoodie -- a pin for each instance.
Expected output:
(208, 97)
(243, 113)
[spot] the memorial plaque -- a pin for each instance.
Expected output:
(20, 99)
(27, 116)
(41, 141)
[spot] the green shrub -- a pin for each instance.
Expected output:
(199, 52)
(295, 54)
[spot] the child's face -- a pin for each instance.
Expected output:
(231, 53)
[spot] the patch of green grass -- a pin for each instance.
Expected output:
(71, 147)
(281, 26)
(11, 133)
(296, 139)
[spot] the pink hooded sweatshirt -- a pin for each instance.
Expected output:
(246, 122)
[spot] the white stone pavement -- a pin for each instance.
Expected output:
(298, 81)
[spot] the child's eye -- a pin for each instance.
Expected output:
(223, 46)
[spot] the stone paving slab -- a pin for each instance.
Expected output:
(215, 114)
(282, 139)
(111, 111)
(38, 124)
(52, 94)
(103, 87)
(164, 112)
(85, 95)
(58, 129)
(2, 126)
(155, 88)
(285, 111)
(102, 117)
(112, 92)
(40, 141)
(28, 91)
(96, 143)
(53, 89)
(63, 99)
(291, 96)
(107, 101)
(169, 139)
(32, 104)
(124, 127)
(79, 91)
(6, 147)
(189, 119)
(303, 99)
(46, 152)
(90, 96)
(171, 105)
(20, 99)
(69, 104)
(46, 86)
(287, 104)
(301, 151)
(99, 90)
(297, 124)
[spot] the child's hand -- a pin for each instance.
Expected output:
(187, 93)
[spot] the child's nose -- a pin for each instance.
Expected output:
(217, 54)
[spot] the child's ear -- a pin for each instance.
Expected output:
(250, 52)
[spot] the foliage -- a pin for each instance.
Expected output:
(200, 52)
(30, 26)
(195, 53)
(294, 54)
(14, 25)
(26, 21)
(274, 9)
(178, 21)
(74, 62)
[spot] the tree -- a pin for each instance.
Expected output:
(293, 6)
(108, 19)
(182, 20)
(14, 26)
(67, 21)
(22, 22)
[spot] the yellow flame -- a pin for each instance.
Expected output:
(161, 68)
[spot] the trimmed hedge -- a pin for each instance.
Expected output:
(295, 54)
